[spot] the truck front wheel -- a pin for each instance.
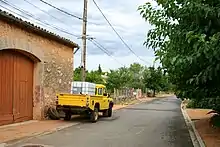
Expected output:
(105, 113)
(94, 115)
(109, 112)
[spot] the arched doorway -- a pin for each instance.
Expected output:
(16, 87)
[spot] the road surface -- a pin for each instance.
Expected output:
(156, 124)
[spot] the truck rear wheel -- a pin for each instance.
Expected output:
(67, 116)
(94, 115)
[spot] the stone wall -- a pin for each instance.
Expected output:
(53, 70)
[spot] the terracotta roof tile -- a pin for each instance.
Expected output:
(10, 18)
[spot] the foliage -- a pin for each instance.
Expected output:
(136, 72)
(205, 103)
(186, 39)
(119, 78)
(92, 76)
(99, 69)
(156, 80)
(126, 77)
(208, 103)
(135, 76)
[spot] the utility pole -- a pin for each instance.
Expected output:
(83, 57)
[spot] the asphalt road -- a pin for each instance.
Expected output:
(156, 124)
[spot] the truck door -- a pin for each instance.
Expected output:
(105, 99)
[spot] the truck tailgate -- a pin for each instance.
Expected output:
(72, 99)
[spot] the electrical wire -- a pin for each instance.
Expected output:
(105, 51)
(61, 10)
(67, 13)
(117, 33)
(101, 47)
(36, 18)
(43, 11)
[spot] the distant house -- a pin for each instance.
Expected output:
(34, 65)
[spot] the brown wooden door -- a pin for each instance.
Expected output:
(21, 89)
(6, 88)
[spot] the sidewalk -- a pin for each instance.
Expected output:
(209, 134)
(31, 128)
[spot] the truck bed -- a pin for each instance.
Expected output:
(72, 100)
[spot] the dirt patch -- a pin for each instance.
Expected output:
(162, 95)
(132, 102)
(210, 135)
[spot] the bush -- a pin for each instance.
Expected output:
(207, 103)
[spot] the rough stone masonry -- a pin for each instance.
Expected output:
(52, 56)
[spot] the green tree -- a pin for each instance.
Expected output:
(99, 69)
(77, 74)
(136, 72)
(186, 39)
(94, 77)
(154, 79)
(119, 78)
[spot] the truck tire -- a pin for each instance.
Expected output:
(109, 112)
(94, 115)
(105, 113)
(53, 114)
(67, 116)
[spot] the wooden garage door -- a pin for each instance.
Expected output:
(16, 87)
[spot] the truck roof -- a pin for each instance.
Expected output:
(100, 86)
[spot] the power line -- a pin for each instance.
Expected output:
(61, 10)
(117, 32)
(32, 16)
(67, 13)
(44, 11)
(104, 50)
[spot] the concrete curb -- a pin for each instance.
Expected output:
(195, 137)
(2, 144)
(26, 138)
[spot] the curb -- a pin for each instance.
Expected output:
(195, 137)
(31, 136)
(2, 144)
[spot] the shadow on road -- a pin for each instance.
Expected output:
(85, 119)
(147, 109)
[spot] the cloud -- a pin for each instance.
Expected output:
(123, 15)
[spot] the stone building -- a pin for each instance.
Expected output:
(34, 65)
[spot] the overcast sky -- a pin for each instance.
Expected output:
(122, 14)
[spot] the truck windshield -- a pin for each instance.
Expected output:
(100, 91)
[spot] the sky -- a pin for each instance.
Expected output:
(122, 14)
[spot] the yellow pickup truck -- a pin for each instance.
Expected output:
(91, 105)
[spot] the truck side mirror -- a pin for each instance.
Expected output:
(105, 94)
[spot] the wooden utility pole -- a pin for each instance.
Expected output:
(83, 57)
